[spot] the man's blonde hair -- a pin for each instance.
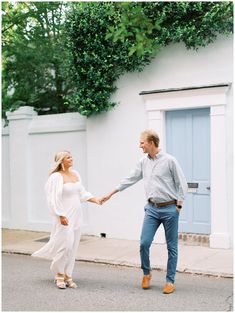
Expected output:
(151, 135)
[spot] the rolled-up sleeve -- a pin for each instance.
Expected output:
(135, 175)
(54, 189)
(179, 179)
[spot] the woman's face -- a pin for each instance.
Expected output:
(68, 161)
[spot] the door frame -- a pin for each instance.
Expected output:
(157, 102)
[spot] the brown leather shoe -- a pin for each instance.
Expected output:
(168, 288)
(146, 281)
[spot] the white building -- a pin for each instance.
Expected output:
(186, 96)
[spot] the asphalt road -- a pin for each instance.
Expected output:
(27, 285)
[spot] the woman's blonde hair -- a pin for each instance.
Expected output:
(59, 157)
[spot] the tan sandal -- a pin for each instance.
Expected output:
(69, 282)
(60, 283)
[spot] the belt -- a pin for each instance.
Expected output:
(158, 205)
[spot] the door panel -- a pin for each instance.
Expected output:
(201, 214)
(188, 139)
(201, 140)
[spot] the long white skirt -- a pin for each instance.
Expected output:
(61, 249)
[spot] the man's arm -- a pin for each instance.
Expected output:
(108, 196)
(130, 180)
(180, 181)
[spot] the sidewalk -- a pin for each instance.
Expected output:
(192, 259)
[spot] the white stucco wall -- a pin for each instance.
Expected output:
(106, 147)
(117, 132)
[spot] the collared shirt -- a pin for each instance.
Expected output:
(163, 178)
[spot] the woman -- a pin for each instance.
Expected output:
(64, 191)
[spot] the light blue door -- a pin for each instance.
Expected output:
(188, 139)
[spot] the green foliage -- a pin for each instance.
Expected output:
(133, 23)
(107, 39)
(35, 61)
(59, 63)
(195, 23)
(98, 61)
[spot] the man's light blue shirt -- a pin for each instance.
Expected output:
(163, 178)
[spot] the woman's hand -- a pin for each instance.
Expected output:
(95, 200)
(64, 221)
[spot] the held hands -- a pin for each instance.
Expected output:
(105, 198)
(99, 201)
(95, 200)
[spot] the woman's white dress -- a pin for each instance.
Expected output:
(64, 199)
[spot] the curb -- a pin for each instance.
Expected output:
(128, 264)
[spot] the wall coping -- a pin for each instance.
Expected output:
(166, 90)
(51, 123)
(22, 113)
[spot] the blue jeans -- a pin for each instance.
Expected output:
(154, 216)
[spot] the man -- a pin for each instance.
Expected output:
(165, 187)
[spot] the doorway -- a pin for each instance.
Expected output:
(188, 139)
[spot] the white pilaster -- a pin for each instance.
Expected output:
(18, 153)
(156, 122)
(219, 237)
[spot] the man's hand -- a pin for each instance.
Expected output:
(64, 221)
(105, 198)
(179, 203)
(178, 210)
(108, 196)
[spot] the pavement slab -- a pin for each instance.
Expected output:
(192, 259)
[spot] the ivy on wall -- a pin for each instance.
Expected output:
(98, 61)
(108, 39)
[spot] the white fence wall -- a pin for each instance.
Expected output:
(6, 189)
(28, 153)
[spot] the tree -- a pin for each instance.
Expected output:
(35, 58)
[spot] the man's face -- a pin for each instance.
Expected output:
(145, 145)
